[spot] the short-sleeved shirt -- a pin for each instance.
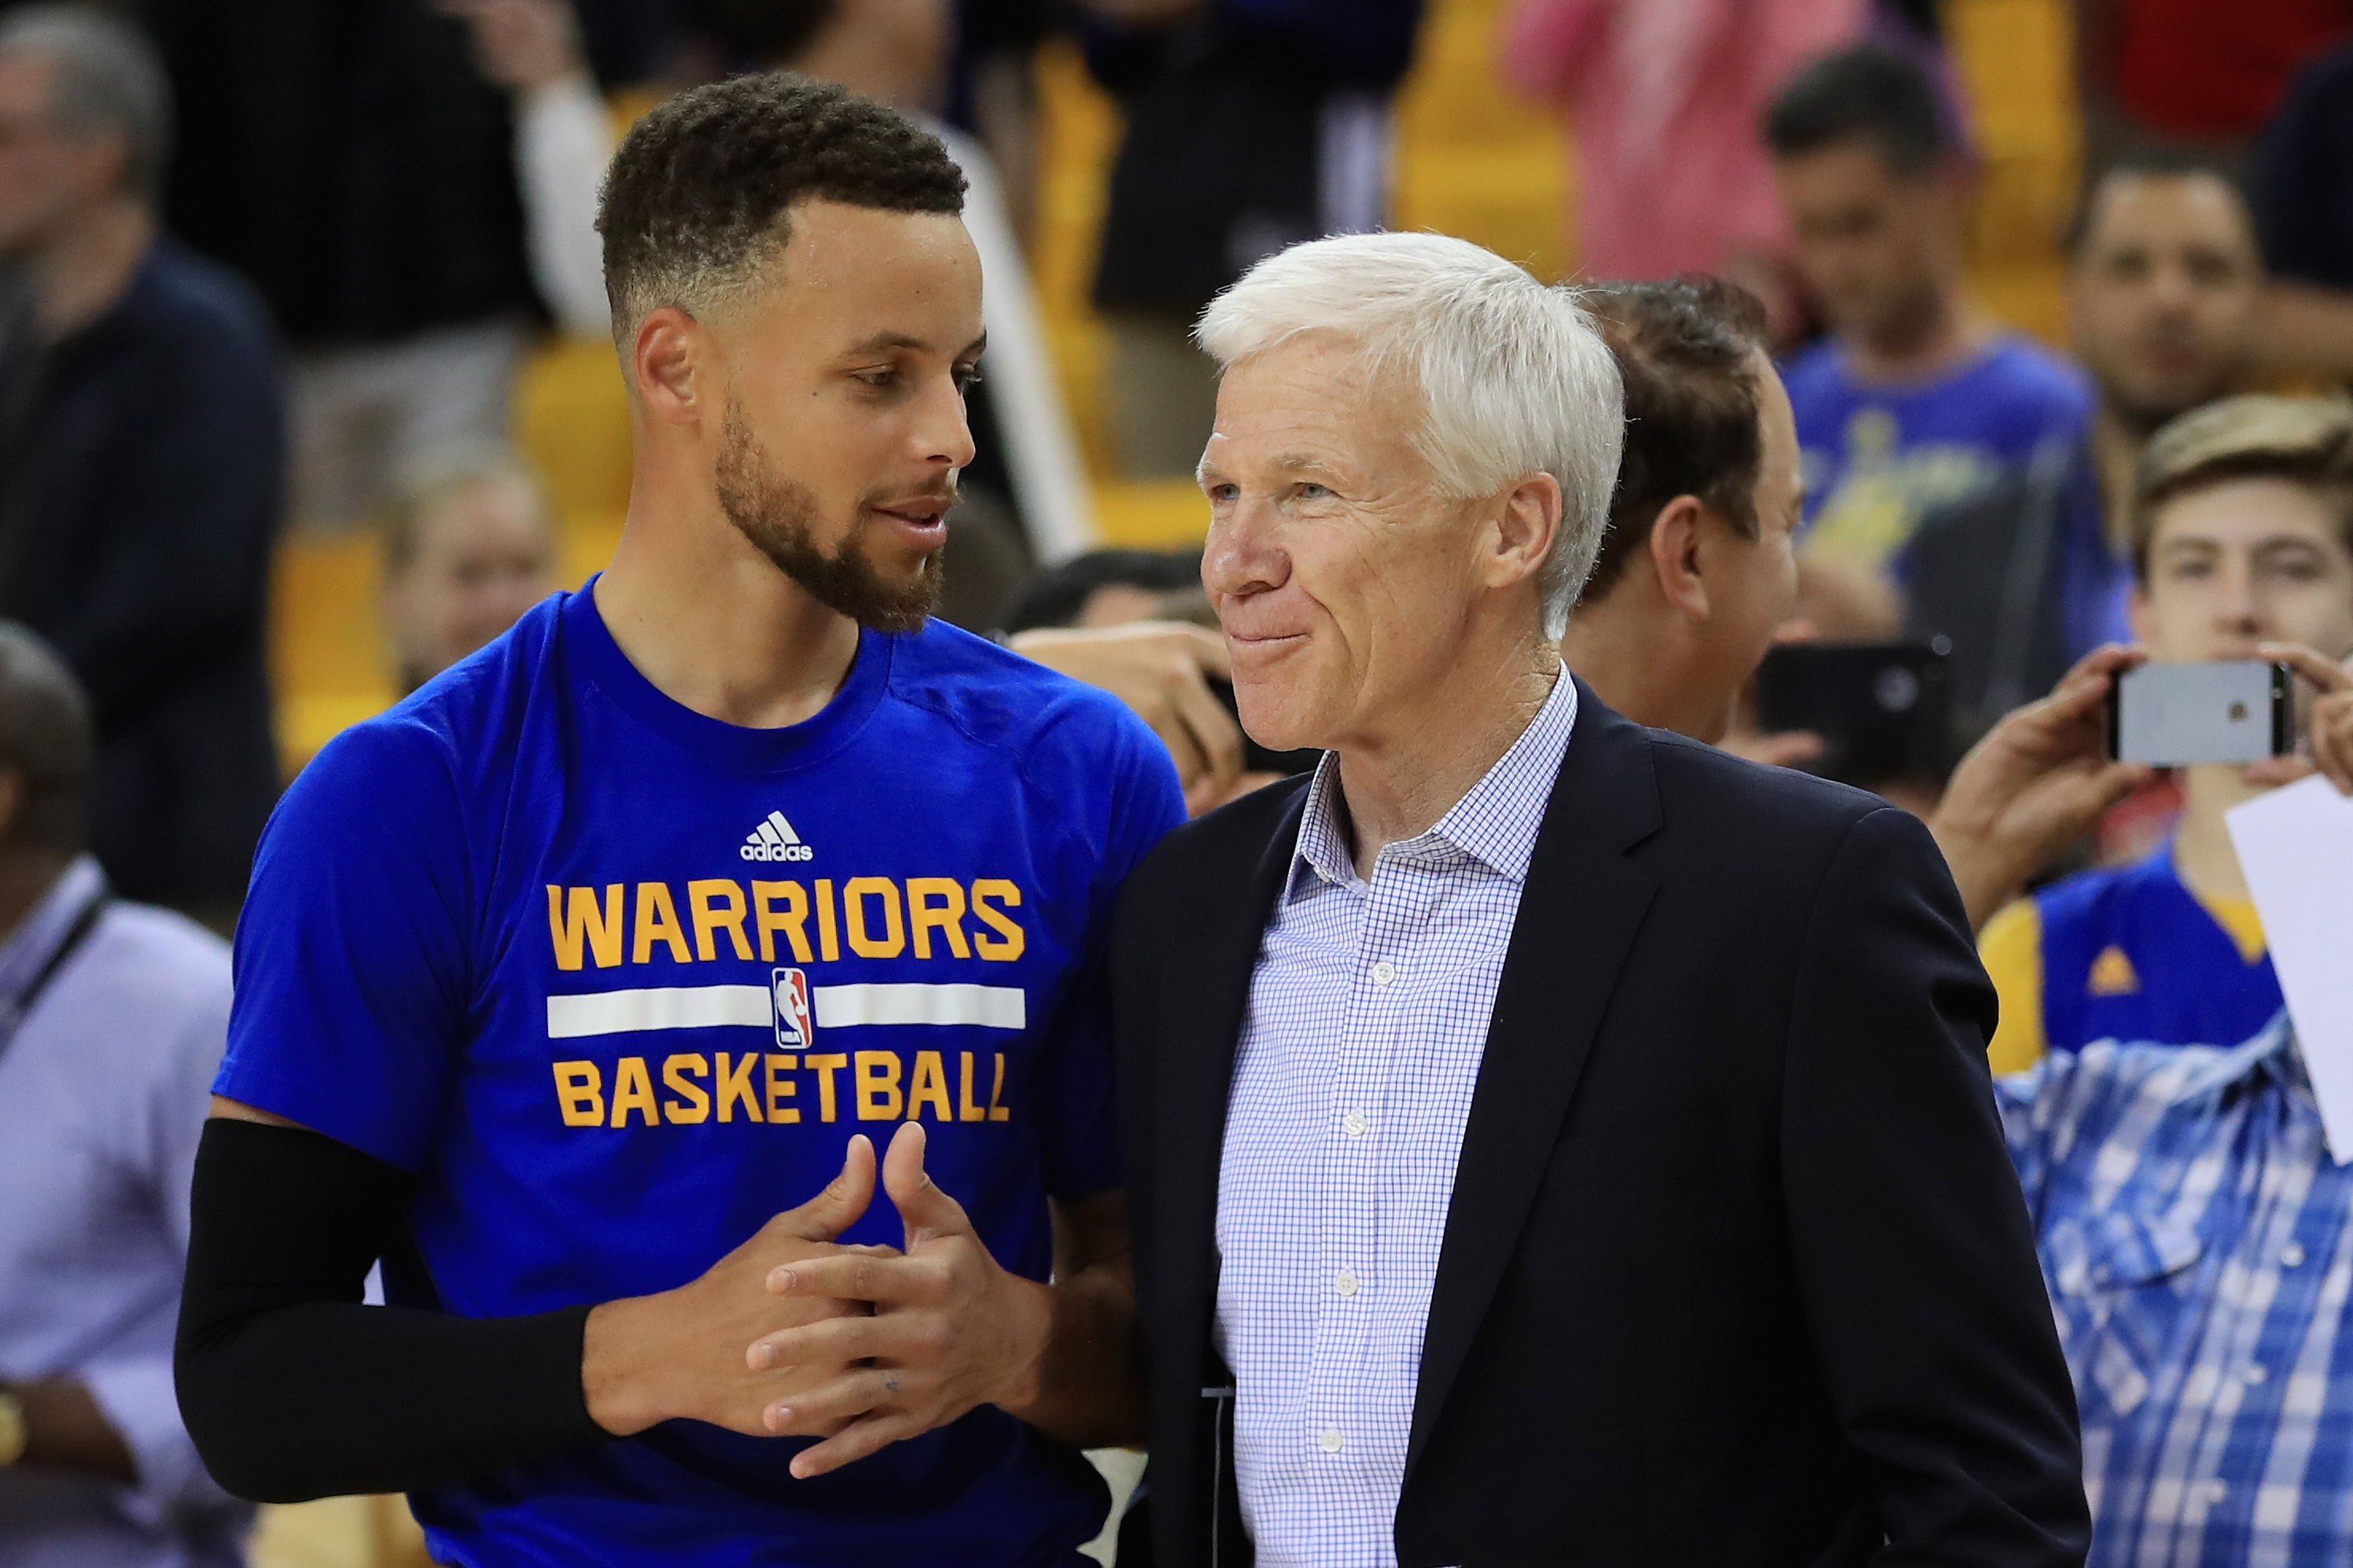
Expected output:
(618, 982)
(1879, 458)
(2126, 952)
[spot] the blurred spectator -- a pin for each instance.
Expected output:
(1106, 588)
(2193, 1231)
(112, 1019)
(2163, 288)
(2300, 181)
(532, 50)
(2191, 75)
(2243, 548)
(1915, 400)
(1251, 125)
(350, 157)
(1696, 570)
(466, 550)
(1695, 574)
(1663, 98)
(143, 450)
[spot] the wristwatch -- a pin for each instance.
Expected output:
(12, 1428)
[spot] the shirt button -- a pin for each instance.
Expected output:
(2292, 1255)
(2256, 1372)
(1383, 972)
(1345, 1284)
(1328, 1440)
(1355, 1124)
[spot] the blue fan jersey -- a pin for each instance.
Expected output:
(618, 982)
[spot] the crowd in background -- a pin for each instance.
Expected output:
(273, 266)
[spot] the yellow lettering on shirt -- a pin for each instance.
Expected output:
(781, 1087)
(854, 894)
(729, 1084)
(877, 1086)
(968, 1109)
(828, 946)
(576, 921)
(717, 904)
(580, 1094)
(696, 1106)
(788, 920)
(997, 1113)
(929, 1087)
(825, 1067)
(633, 1090)
(1007, 945)
(922, 918)
(656, 922)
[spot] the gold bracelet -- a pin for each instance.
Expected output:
(13, 1436)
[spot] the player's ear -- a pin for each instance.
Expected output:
(669, 361)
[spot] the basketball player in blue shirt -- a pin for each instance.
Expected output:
(651, 920)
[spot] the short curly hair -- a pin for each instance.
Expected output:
(696, 203)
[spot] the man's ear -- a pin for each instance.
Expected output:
(671, 361)
(1527, 525)
(1676, 555)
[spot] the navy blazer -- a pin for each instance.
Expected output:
(1735, 1269)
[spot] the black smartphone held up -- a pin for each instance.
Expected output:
(1882, 709)
(2179, 715)
(1256, 759)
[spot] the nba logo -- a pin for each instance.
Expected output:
(794, 1026)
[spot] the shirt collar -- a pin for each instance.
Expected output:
(1495, 823)
(35, 940)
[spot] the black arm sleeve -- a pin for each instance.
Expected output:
(293, 1390)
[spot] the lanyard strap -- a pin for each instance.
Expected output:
(85, 922)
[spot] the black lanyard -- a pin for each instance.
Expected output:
(85, 922)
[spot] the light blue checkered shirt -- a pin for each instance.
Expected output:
(2195, 1236)
(1367, 1019)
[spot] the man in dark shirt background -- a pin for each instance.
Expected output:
(140, 454)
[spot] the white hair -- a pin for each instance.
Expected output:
(1513, 378)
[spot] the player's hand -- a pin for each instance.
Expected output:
(949, 1330)
(2328, 746)
(681, 1353)
(2034, 784)
(1162, 670)
(1777, 749)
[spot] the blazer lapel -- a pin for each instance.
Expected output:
(1577, 916)
(1196, 1068)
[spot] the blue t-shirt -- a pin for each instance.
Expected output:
(618, 982)
(1877, 458)
(2130, 954)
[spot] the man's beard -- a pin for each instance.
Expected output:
(776, 515)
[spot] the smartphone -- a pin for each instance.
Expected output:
(1883, 710)
(2175, 715)
(1256, 759)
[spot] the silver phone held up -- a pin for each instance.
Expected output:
(2177, 715)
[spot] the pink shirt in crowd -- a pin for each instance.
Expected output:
(1663, 98)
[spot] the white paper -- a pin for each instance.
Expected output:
(2296, 845)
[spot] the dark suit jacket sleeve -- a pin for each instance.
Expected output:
(1914, 1255)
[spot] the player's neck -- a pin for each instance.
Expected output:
(713, 625)
(2202, 849)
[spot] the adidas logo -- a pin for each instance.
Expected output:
(774, 840)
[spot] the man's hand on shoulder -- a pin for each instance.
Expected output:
(951, 1329)
(1162, 670)
(647, 1359)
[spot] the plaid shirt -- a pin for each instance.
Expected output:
(1368, 1020)
(2194, 1234)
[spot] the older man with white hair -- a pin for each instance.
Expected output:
(1548, 1139)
